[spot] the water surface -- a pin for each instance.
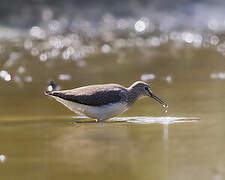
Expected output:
(41, 139)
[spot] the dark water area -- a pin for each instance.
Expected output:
(176, 47)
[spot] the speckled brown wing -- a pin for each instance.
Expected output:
(95, 95)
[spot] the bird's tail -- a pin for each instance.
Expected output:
(51, 87)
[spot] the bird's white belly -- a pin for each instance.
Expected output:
(96, 112)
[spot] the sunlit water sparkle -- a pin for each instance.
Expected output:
(2, 158)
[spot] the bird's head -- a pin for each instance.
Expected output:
(143, 89)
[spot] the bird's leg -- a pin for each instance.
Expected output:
(100, 120)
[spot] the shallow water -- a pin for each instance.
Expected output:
(40, 138)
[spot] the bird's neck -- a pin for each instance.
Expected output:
(133, 95)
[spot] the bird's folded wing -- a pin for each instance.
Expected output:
(97, 98)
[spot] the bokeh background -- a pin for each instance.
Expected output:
(177, 47)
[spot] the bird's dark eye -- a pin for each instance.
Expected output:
(146, 88)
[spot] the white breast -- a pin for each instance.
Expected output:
(97, 112)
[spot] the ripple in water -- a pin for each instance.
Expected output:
(150, 120)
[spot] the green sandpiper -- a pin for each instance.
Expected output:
(103, 101)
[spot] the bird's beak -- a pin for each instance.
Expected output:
(157, 99)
